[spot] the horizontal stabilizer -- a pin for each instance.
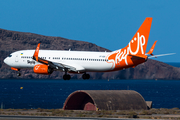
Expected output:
(161, 55)
(138, 56)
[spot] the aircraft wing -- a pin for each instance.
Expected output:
(55, 65)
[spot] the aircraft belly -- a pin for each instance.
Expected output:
(97, 67)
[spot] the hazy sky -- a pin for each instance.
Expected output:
(107, 23)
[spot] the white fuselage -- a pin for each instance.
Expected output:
(81, 60)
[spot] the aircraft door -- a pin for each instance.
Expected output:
(16, 58)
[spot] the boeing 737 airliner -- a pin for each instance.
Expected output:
(47, 61)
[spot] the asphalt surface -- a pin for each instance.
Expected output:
(10, 117)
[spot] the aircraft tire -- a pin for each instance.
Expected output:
(18, 74)
(66, 77)
(85, 76)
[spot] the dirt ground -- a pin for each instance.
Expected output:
(146, 114)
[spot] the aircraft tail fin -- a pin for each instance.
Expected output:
(138, 43)
(135, 49)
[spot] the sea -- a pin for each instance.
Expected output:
(51, 94)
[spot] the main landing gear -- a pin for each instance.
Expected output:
(66, 76)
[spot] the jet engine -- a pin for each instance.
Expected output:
(42, 69)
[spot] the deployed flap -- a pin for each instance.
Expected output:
(72, 67)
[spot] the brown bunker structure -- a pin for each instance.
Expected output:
(105, 100)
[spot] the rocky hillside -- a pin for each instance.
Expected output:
(11, 41)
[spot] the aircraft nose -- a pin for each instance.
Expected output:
(6, 61)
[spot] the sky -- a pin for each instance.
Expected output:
(107, 23)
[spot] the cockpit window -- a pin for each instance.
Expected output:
(10, 56)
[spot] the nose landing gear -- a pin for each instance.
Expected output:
(16, 69)
(18, 74)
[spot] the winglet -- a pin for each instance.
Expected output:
(152, 49)
(35, 56)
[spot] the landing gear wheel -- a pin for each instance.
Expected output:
(66, 77)
(18, 74)
(85, 76)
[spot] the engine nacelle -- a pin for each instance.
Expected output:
(42, 69)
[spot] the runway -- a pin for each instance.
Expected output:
(10, 117)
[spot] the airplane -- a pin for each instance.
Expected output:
(81, 62)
